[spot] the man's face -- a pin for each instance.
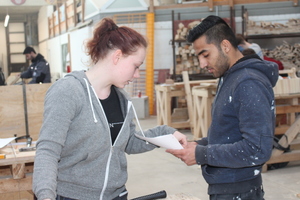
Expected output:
(29, 56)
(210, 57)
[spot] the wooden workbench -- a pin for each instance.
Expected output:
(16, 173)
(181, 92)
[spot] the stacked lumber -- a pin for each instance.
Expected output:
(288, 54)
(186, 59)
(182, 30)
(262, 27)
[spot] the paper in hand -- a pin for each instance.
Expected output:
(164, 141)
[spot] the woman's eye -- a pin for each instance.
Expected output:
(205, 56)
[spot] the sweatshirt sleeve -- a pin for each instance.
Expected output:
(136, 145)
(255, 110)
(59, 109)
(27, 73)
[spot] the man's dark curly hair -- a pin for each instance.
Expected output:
(215, 29)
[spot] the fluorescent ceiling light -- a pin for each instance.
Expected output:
(6, 20)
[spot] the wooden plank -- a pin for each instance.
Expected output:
(12, 120)
(290, 136)
(19, 195)
(12, 116)
(14, 156)
(74, 13)
(281, 129)
(6, 170)
(18, 171)
(12, 185)
(203, 98)
(188, 95)
(210, 5)
(285, 157)
(282, 109)
(13, 78)
(35, 106)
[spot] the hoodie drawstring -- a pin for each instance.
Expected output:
(138, 122)
(90, 98)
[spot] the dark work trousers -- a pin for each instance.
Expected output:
(255, 194)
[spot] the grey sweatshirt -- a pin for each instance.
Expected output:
(75, 157)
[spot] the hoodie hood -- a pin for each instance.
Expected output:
(39, 57)
(81, 77)
(256, 65)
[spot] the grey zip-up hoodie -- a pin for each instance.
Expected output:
(75, 157)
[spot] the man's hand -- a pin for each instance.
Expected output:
(187, 154)
(181, 138)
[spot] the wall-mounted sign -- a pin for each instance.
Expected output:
(18, 2)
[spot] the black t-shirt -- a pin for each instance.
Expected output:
(113, 112)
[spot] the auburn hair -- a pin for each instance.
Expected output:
(108, 36)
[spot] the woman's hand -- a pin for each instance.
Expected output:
(181, 138)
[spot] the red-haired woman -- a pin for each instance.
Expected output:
(88, 122)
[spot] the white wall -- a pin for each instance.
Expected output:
(163, 53)
(79, 59)
(43, 27)
(51, 49)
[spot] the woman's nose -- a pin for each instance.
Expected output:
(136, 73)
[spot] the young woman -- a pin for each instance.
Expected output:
(88, 122)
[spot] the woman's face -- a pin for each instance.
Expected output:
(128, 67)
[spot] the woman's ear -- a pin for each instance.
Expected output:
(117, 56)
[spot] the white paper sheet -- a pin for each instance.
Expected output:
(165, 141)
(6, 141)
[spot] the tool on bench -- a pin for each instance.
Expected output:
(27, 149)
(27, 136)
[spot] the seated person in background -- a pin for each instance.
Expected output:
(243, 44)
(39, 70)
(248, 51)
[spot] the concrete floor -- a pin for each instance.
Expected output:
(157, 170)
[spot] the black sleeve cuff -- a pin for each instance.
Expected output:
(203, 141)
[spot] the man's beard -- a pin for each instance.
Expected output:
(222, 65)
